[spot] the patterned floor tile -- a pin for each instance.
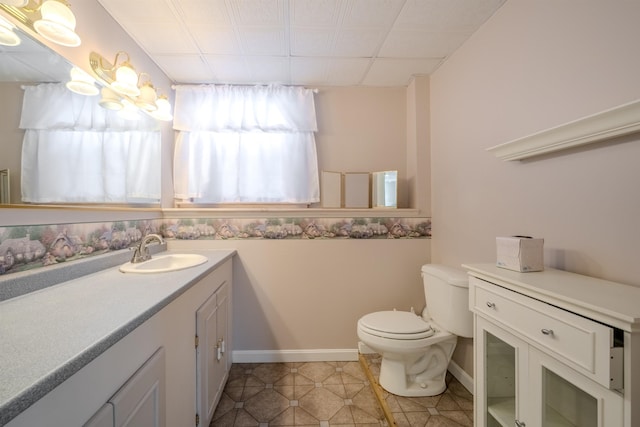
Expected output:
(329, 394)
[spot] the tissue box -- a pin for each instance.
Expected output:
(520, 253)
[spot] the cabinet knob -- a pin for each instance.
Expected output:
(547, 331)
(491, 304)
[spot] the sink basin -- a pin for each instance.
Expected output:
(164, 263)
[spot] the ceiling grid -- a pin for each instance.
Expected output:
(303, 42)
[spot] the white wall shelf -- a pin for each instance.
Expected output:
(615, 122)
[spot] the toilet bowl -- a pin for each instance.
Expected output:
(416, 350)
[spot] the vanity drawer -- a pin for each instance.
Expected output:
(584, 344)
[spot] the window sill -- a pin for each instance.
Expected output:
(272, 212)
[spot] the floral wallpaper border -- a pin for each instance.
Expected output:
(28, 247)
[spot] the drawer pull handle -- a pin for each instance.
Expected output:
(491, 304)
(520, 423)
(547, 331)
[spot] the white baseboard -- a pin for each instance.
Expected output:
(364, 349)
(328, 355)
(465, 379)
(279, 356)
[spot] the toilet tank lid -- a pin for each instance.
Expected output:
(452, 275)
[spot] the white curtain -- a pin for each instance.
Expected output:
(238, 144)
(74, 151)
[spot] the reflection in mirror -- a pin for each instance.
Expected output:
(28, 64)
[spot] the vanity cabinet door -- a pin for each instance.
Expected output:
(212, 352)
(140, 402)
(102, 418)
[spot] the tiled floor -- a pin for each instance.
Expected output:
(296, 394)
(331, 393)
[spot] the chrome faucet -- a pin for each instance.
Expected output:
(141, 252)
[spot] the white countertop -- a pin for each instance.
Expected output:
(48, 335)
(612, 303)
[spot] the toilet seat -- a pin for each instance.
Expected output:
(398, 325)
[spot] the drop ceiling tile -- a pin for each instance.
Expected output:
(211, 12)
(398, 72)
(348, 71)
(229, 69)
(139, 10)
(185, 68)
(371, 13)
(328, 71)
(270, 69)
(258, 12)
(167, 38)
(316, 13)
(264, 41)
(357, 43)
(217, 41)
(446, 15)
(312, 42)
(31, 67)
(420, 44)
(309, 71)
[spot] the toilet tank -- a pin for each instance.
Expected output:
(447, 293)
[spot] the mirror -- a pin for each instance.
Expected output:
(29, 63)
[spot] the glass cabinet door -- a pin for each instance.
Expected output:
(564, 398)
(502, 371)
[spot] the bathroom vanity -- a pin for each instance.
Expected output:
(554, 348)
(116, 349)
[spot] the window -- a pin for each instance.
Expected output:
(239, 144)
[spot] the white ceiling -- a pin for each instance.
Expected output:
(300, 42)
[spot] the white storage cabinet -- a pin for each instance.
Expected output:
(546, 356)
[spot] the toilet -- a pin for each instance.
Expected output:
(416, 349)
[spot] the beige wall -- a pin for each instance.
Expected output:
(309, 294)
(534, 65)
(363, 129)
(419, 145)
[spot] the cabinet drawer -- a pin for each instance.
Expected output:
(584, 344)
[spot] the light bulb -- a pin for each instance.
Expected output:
(57, 24)
(126, 81)
(81, 82)
(147, 98)
(110, 100)
(7, 36)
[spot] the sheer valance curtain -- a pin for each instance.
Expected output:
(74, 151)
(240, 144)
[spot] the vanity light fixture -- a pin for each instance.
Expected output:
(129, 111)
(127, 91)
(110, 100)
(57, 23)
(7, 36)
(148, 96)
(52, 19)
(82, 83)
(122, 78)
(15, 3)
(163, 112)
